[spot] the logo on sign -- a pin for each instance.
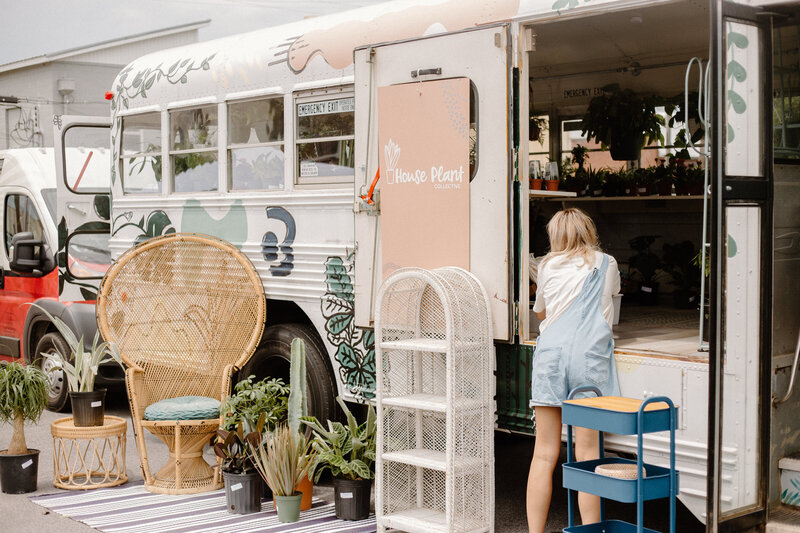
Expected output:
(438, 176)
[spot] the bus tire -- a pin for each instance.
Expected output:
(58, 394)
(273, 356)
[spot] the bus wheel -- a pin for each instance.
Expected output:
(273, 358)
(57, 395)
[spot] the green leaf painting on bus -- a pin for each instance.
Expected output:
(736, 73)
(355, 346)
(567, 4)
(156, 224)
(87, 290)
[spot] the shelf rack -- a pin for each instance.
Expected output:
(623, 416)
(435, 461)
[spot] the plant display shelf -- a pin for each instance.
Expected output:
(571, 197)
(434, 468)
(623, 416)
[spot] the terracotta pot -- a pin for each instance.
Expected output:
(536, 184)
(306, 486)
(552, 185)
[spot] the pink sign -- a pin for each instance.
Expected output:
(423, 136)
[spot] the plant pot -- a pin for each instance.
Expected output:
(696, 189)
(552, 185)
(288, 507)
(352, 498)
(664, 188)
(306, 487)
(630, 190)
(626, 145)
(88, 408)
(648, 293)
(242, 492)
(536, 184)
(681, 189)
(18, 473)
(597, 192)
(643, 191)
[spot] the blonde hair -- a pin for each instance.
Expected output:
(572, 233)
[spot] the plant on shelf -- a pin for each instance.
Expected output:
(627, 181)
(663, 178)
(283, 459)
(645, 262)
(612, 186)
(695, 178)
(80, 367)
(679, 262)
(579, 155)
(23, 396)
(624, 121)
(674, 108)
(596, 180)
(348, 451)
(643, 179)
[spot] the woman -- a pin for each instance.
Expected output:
(575, 347)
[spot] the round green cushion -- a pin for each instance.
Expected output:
(183, 408)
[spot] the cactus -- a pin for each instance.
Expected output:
(298, 406)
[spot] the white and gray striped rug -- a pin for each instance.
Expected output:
(131, 509)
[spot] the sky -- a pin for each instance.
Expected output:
(35, 27)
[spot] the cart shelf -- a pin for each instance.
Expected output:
(608, 526)
(431, 402)
(581, 476)
(615, 414)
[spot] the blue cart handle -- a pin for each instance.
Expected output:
(584, 388)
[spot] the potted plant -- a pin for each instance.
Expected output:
(298, 408)
(253, 409)
(534, 176)
(80, 368)
(612, 185)
(536, 126)
(283, 459)
(646, 263)
(349, 452)
(643, 178)
(23, 396)
(680, 176)
(624, 121)
(627, 181)
(663, 179)
(679, 262)
(695, 179)
(596, 179)
(579, 154)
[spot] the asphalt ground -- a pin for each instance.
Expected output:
(512, 453)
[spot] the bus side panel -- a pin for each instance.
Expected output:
(514, 367)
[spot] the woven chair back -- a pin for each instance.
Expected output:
(181, 308)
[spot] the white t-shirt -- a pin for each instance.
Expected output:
(560, 280)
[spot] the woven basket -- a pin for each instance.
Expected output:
(618, 470)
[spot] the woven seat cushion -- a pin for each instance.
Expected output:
(183, 408)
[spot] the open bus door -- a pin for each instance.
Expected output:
(741, 267)
(437, 92)
(83, 167)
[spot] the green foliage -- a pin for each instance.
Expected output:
(597, 178)
(645, 261)
(235, 446)
(347, 450)
(679, 262)
(23, 391)
(80, 367)
(298, 406)
(250, 401)
(579, 154)
(621, 113)
(283, 459)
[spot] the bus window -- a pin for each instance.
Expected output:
(193, 149)
(21, 216)
(255, 145)
(325, 139)
(786, 84)
(140, 157)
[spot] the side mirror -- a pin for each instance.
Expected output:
(27, 254)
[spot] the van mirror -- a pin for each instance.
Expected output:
(26, 254)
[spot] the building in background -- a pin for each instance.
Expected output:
(72, 82)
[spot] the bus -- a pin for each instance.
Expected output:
(334, 150)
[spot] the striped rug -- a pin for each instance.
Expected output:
(131, 509)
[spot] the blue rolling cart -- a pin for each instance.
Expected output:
(623, 416)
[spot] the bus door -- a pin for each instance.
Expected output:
(741, 268)
(434, 114)
(83, 167)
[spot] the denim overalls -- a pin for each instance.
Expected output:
(576, 349)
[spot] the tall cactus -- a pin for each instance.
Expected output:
(298, 406)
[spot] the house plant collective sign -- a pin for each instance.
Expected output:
(423, 136)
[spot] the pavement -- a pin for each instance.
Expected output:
(512, 452)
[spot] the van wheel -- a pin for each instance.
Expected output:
(273, 359)
(59, 387)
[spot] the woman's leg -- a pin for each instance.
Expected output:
(546, 450)
(587, 443)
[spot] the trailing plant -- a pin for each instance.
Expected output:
(80, 367)
(23, 396)
(283, 459)
(347, 450)
(251, 401)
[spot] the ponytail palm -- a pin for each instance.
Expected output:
(23, 396)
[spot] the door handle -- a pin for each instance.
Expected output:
(776, 400)
(76, 208)
(426, 72)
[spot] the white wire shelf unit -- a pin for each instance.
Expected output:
(435, 464)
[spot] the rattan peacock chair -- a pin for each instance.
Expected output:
(186, 311)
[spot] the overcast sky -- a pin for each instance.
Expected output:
(34, 27)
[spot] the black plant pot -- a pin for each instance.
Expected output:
(352, 498)
(626, 146)
(88, 408)
(242, 492)
(18, 473)
(648, 293)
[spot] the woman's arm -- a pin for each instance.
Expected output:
(541, 315)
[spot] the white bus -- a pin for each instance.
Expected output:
(334, 150)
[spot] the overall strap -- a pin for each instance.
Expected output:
(595, 282)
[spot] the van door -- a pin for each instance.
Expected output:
(463, 83)
(83, 166)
